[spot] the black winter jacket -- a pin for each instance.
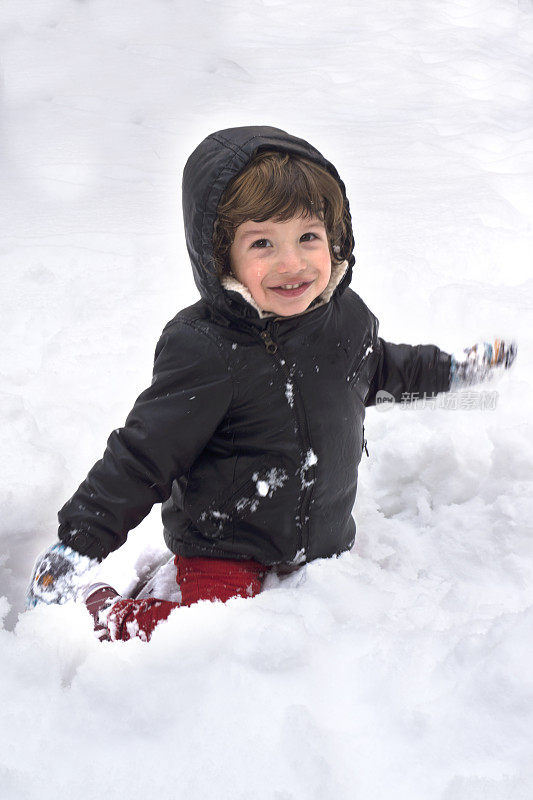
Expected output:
(252, 430)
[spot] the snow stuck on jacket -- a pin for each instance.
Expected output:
(403, 668)
(289, 393)
(273, 479)
(310, 460)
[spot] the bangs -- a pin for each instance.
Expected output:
(277, 188)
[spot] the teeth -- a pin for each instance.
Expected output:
(291, 285)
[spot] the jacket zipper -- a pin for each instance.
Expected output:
(355, 372)
(272, 347)
(366, 345)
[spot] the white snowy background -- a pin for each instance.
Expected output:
(404, 668)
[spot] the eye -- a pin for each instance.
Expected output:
(261, 243)
(312, 235)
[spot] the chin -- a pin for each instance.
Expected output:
(288, 312)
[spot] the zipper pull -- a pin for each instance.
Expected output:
(364, 447)
(270, 344)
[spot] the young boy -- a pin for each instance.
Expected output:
(252, 430)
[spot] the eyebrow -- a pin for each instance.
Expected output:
(256, 232)
(266, 230)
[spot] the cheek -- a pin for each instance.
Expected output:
(232, 259)
(246, 269)
(254, 270)
(326, 261)
(239, 263)
(255, 283)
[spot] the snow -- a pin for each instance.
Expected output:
(273, 479)
(262, 488)
(403, 668)
(289, 393)
(310, 460)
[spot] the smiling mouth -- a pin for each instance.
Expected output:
(291, 289)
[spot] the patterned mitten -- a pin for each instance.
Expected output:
(481, 362)
(58, 576)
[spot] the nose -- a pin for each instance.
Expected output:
(291, 260)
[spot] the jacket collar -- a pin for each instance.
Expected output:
(338, 271)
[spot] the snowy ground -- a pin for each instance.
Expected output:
(402, 669)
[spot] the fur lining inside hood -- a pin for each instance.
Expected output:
(338, 271)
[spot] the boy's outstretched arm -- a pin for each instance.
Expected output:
(168, 427)
(419, 370)
(412, 369)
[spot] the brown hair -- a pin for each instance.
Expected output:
(280, 186)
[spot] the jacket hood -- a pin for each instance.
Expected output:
(214, 163)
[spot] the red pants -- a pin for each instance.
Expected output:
(198, 579)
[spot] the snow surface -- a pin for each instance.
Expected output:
(402, 669)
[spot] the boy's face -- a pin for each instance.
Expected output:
(266, 256)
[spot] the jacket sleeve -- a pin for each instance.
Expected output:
(167, 428)
(412, 369)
